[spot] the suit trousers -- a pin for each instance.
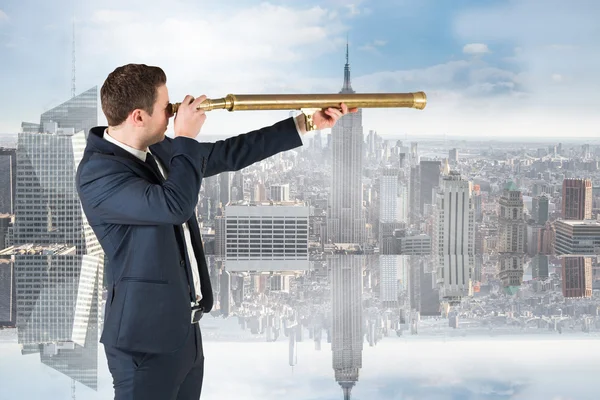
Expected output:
(147, 376)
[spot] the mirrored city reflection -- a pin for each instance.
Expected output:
(337, 311)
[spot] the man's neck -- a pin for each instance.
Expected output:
(127, 138)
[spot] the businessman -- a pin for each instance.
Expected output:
(138, 189)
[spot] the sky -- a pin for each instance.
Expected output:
(532, 367)
(496, 68)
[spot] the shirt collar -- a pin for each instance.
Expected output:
(137, 153)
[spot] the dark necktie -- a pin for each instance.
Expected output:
(151, 162)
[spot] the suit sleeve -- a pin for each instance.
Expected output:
(246, 149)
(113, 193)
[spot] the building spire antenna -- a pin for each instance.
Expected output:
(347, 51)
(347, 88)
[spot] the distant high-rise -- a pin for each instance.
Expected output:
(263, 237)
(430, 172)
(393, 208)
(259, 193)
(414, 194)
(577, 199)
(225, 188)
(577, 237)
(80, 113)
(511, 245)
(48, 209)
(414, 153)
(58, 298)
(393, 197)
(453, 242)
(393, 279)
(346, 219)
(8, 292)
(225, 293)
(477, 203)
(8, 180)
(347, 319)
(539, 267)
(424, 291)
(577, 276)
(453, 156)
(280, 192)
(542, 210)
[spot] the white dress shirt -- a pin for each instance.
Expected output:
(186, 230)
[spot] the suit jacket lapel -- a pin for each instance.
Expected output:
(162, 151)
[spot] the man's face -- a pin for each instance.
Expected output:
(160, 116)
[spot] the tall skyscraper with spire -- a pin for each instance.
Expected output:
(346, 219)
(346, 277)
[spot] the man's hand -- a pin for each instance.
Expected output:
(189, 120)
(328, 117)
(325, 118)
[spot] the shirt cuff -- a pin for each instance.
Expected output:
(298, 130)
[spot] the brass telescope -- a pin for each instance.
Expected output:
(244, 102)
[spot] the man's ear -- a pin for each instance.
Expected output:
(137, 118)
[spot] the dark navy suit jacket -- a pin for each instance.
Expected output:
(138, 223)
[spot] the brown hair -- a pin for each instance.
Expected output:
(130, 87)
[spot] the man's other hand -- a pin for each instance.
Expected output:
(328, 117)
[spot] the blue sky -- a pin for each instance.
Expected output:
(489, 67)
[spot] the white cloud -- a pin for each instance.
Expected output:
(248, 46)
(476, 48)
(545, 56)
(256, 49)
(542, 49)
(3, 16)
(271, 49)
(373, 46)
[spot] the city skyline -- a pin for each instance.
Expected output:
(479, 77)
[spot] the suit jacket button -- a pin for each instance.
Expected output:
(182, 263)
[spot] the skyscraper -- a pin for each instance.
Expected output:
(346, 219)
(47, 209)
(7, 293)
(347, 319)
(454, 238)
(577, 276)
(225, 188)
(280, 192)
(393, 199)
(415, 194)
(8, 181)
(577, 199)
(430, 172)
(58, 299)
(543, 210)
(393, 208)
(511, 245)
(79, 113)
